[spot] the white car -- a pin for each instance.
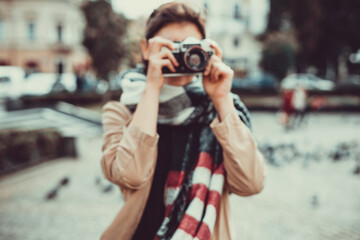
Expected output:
(11, 81)
(37, 84)
(308, 81)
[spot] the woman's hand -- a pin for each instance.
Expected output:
(217, 80)
(158, 52)
(159, 55)
(217, 77)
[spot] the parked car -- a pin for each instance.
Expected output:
(11, 81)
(351, 84)
(255, 82)
(37, 84)
(308, 81)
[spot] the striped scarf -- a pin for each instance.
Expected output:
(193, 193)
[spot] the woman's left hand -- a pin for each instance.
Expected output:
(217, 77)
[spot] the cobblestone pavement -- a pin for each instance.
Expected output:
(317, 200)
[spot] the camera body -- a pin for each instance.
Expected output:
(192, 55)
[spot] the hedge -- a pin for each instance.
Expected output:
(22, 148)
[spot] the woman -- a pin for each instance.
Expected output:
(177, 146)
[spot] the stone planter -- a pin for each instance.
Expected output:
(24, 148)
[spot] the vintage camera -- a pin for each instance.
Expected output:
(192, 55)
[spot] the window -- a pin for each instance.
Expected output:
(4, 63)
(32, 67)
(60, 67)
(31, 31)
(2, 29)
(206, 7)
(236, 42)
(237, 12)
(4, 80)
(59, 32)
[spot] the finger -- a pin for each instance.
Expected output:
(224, 72)
(166, 53)
(208, 66)
(212, 60)
(217, 71)
(157, 43)
(213, 71)
(217, 49)
(167, 63)
(218, 74)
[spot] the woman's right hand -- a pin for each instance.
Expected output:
(159, 56)
(158, 53)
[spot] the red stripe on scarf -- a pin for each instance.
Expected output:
(175, 179)
(214, 199)
(220, 169)
(205, 160)
(201, 191)
(189, 224)
(204, 232)
(168, 209)
(198, 190)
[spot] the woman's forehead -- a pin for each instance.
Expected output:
(177, 32)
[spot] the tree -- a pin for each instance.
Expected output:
(301, 19)
(278, 55)
(136, 29)
(339, 31)
(104, 37)
(324, 29)
(306, 18)
(278, 11)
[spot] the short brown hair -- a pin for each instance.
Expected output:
(174, 12)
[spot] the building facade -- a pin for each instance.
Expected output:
(42, 35)
(233, 24)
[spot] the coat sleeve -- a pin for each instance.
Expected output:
(244, 164)
(128, 154)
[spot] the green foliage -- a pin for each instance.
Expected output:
(48, 143)
(324, 28)
(278, 8)
(104, 36)
(278, 55)
(19, 147)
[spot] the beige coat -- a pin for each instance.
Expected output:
(129, 160)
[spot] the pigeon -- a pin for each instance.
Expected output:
(65, 181)
(108, 188)
(52, 194)
(357, 170)
(97, 180)
(315, 201)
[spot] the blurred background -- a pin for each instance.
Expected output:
(297, 69)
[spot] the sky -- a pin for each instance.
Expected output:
(135, 8)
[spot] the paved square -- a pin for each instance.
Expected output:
(309, 196)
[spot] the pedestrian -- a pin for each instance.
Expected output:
(80, 77)
(287, 107)
(177, 146)
(318, 103)
(299, 102)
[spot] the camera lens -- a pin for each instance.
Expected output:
(196, 59)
